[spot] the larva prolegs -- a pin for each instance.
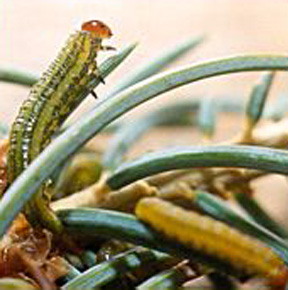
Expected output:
(38, 213)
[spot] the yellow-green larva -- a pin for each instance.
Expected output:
(55, 96)
(212, 237)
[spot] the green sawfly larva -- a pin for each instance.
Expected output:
(50, 102)
(212, 237)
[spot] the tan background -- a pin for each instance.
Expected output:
(32, 31)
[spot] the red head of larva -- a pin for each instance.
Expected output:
(97, 28)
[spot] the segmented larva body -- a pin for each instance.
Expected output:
(54, 96)
(51, 100)
(213, 238)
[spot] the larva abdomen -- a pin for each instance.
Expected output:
(36, 121)
(212, 237)
(52, 99)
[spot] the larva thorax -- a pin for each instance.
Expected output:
(55, 96)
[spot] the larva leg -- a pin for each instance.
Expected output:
(107, 47)
(94, 94)
(101, 79)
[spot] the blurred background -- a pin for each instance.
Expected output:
(33, 31)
